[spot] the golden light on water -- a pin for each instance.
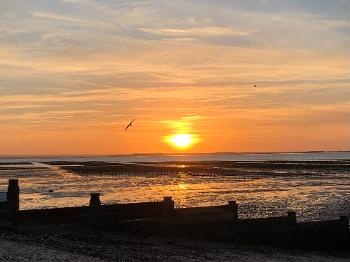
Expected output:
(183, 186)
(182, 141)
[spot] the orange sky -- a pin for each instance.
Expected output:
(75, 72)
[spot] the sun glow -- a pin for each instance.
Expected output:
(181, 141)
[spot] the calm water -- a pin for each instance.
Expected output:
(317, 195)
(196, 157)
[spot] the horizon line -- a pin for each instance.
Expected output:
(175, 153)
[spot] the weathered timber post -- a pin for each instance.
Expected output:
(168, 206)
(292, 217)
(13, 201)
(345, 220)
(95, 205)
(234, 209)
(95, 200)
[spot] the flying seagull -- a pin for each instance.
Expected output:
(129, 125)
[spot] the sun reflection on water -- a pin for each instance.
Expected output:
(182, 186)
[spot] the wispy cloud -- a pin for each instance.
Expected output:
(258, 70)
(197, 31)
(53, 16)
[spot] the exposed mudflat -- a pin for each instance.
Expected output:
(316, 190)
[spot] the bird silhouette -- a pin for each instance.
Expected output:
(129, 125)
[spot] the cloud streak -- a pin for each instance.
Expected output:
(260, 70)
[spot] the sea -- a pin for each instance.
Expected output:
(315, 194)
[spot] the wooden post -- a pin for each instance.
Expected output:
(95, 200)
(13, 200)
(292, 217)
(345, 221)
(95, 204)
(168, 206)
(234, 209)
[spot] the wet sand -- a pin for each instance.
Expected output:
(312, 187)
(316, 190)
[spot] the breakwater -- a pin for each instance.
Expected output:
(215, 223)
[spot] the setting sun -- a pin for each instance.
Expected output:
(181, 141)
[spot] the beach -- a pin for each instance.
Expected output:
(315, 185)
(35, 247)
(316, 189)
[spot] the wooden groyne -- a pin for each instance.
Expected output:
(220, 223)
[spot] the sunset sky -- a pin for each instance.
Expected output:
(74, 73)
